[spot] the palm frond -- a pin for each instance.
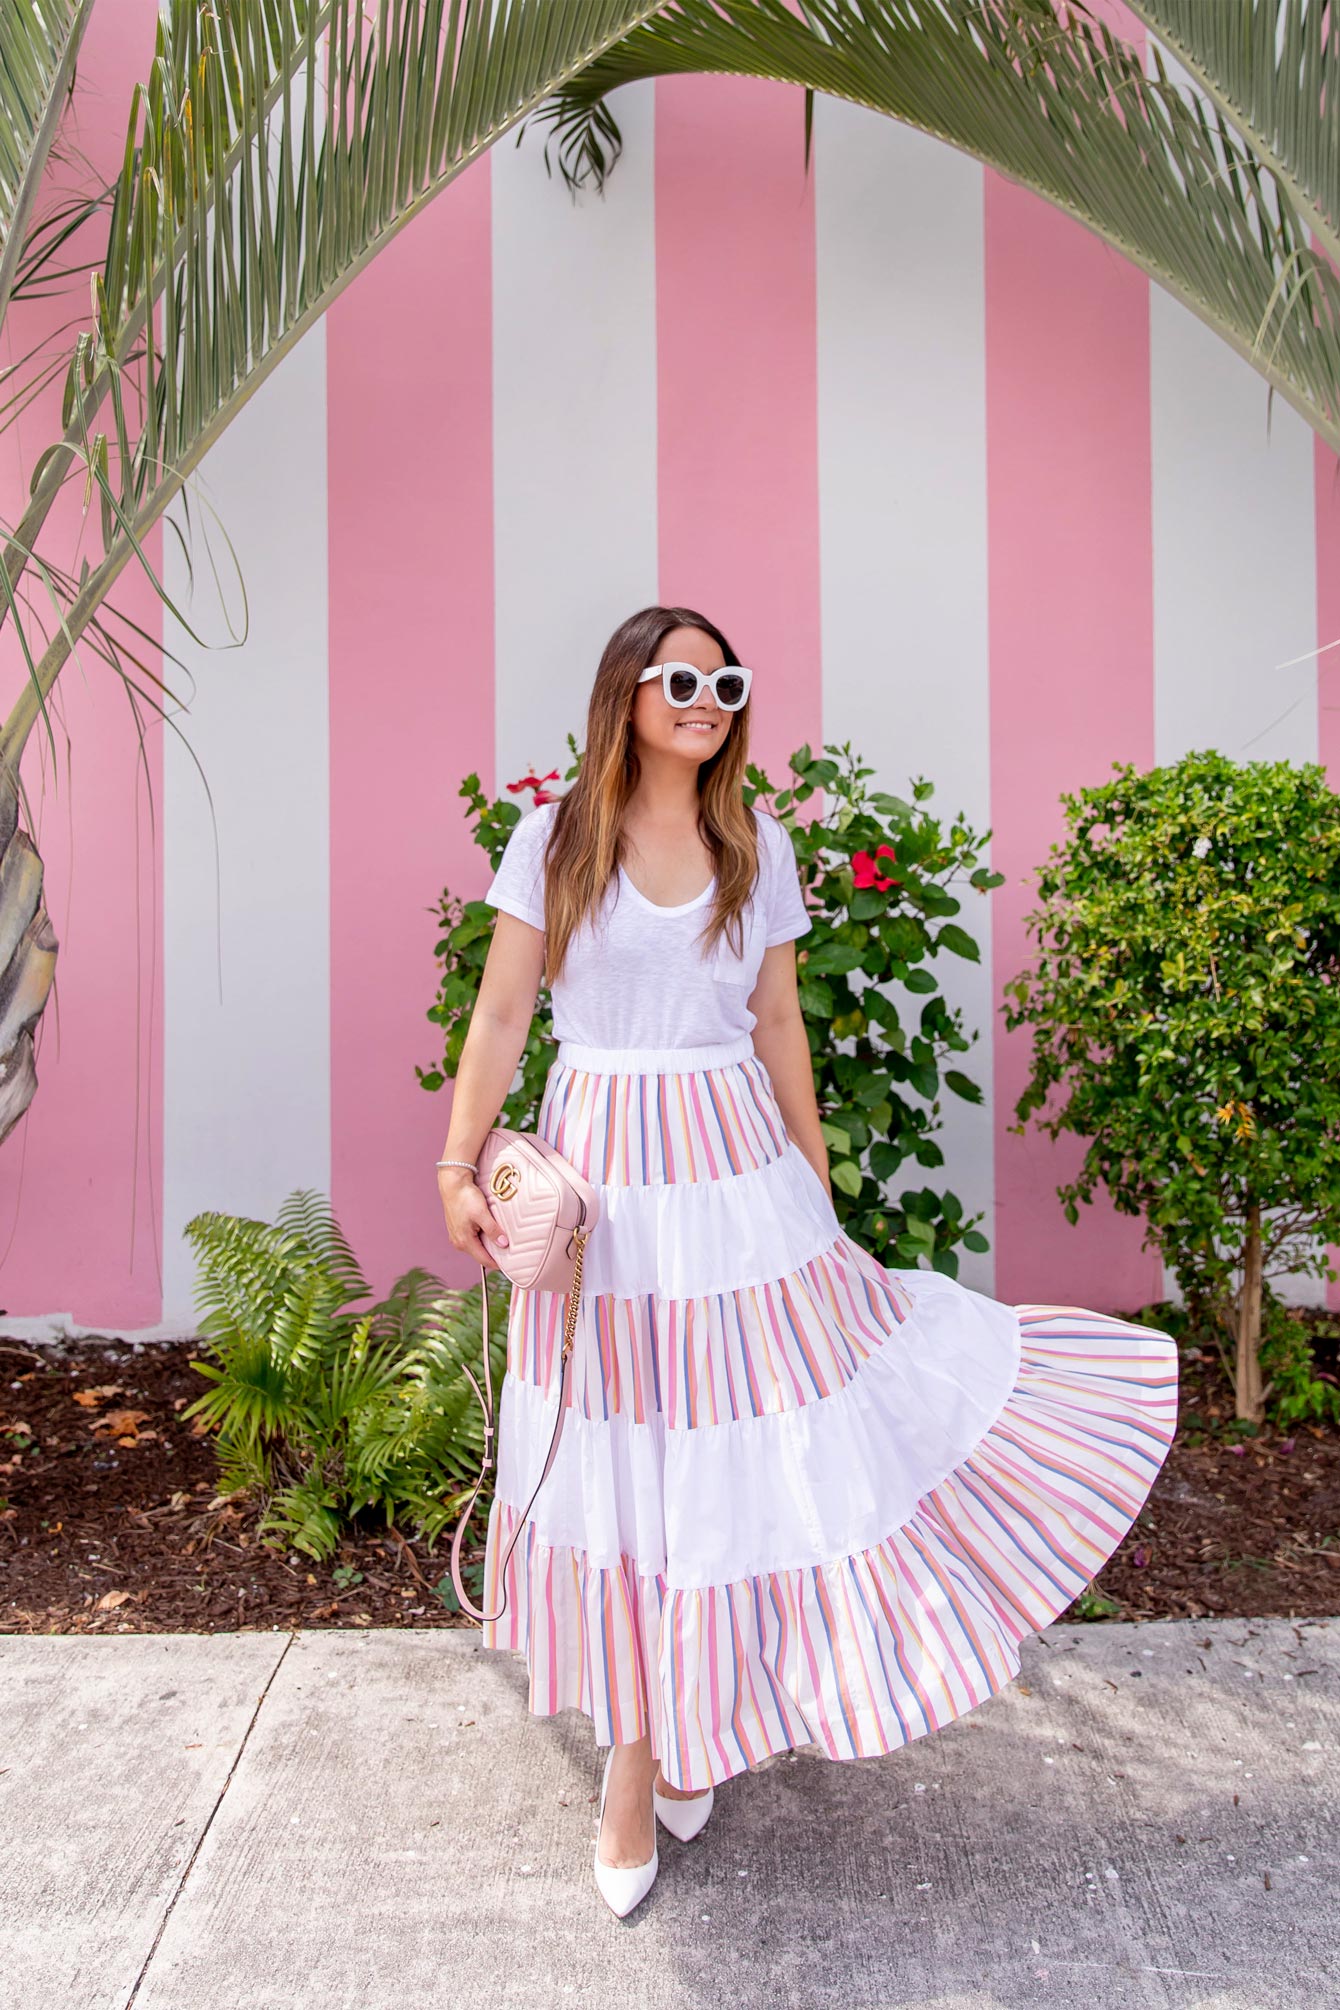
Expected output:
(305, 1516)
(242, 1278)
(307, 1215)
(306, 1329)
(39, 41)
(244, 1467)
(277, 147)
(250, 1398)
(1273, 69)
(451, 1346)
(1188, 192)
(352, 1380)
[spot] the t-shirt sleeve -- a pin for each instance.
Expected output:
(517, 887)
(787, 916)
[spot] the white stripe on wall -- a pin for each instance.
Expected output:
(1235, 578)
(1234, 569)
(574, 358)
(246, 877)
(1235, 596)
(1235, 585)
(903, 528)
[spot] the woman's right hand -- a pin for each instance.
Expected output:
(468, 1215)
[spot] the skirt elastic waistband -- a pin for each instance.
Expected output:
(653, 1060)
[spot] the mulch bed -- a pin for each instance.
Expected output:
(110, 1518)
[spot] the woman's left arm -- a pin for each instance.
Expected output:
(781, 1045)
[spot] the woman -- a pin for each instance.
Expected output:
(800, 1497)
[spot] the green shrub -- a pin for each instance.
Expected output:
(326, 1410)
(1298, 1393)
(879, 1028)
(464, 932)
(1186, 1024)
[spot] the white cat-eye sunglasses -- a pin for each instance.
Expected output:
(683, 683)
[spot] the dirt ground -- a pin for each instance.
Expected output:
(110, 1519)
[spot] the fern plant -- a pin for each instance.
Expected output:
(324, 1409)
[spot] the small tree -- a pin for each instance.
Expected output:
(1185, 1012)
(882, 877)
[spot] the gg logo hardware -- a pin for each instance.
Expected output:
(505, 1181)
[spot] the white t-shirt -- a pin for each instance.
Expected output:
(638, 977)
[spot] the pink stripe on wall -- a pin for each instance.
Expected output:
(1071, 644)
(81, 1188)
(738, 388)
(411, 699)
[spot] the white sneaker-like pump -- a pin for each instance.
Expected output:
(684, 1818)
(622, 1886)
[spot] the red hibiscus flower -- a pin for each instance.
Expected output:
(536, 782)
(866, 872)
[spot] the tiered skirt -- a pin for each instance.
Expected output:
(800, 1497)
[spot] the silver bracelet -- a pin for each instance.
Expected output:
(459, 1162)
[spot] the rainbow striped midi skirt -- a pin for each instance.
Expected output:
(802, 1498)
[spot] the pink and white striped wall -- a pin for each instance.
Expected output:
(965, 489)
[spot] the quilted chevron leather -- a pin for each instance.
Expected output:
(538, 1199)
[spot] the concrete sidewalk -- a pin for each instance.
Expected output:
(372, 1821)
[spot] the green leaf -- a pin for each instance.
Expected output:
(833, 958)
(904, 936)
(918, 1235)
(846, 1176)
(925, 1078)
(957, 939)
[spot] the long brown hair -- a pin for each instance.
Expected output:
(586, 844)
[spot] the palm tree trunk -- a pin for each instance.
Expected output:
(27, 961)
(1248, 1380)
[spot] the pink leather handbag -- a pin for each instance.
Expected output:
(547, 1211)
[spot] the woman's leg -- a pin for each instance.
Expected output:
(628, 1832)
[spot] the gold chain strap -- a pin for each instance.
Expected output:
(579, 1236)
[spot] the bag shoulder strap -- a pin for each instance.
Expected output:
(486, 1401)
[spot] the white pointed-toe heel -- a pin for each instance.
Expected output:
(622, 1886)
(684, 1818)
